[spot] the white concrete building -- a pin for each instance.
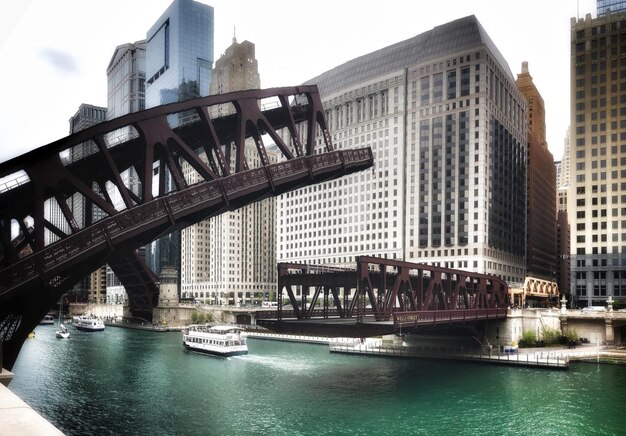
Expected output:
(231, 258)
(447, 126)
(596, 200)
(126, 93)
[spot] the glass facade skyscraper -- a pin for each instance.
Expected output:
(612, 6)
(179, 54)
(179, 58)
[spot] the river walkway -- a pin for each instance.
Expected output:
(548, 357)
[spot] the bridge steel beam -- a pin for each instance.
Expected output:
(209, 134)
(410, 295)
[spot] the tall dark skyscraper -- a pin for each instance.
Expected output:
(179, 58)
(540, 185)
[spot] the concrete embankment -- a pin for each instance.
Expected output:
(18, 418)
(552, 358)
(146, 326)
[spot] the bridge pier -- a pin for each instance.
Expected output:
(609, 332)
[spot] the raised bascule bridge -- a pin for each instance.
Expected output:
(383, 296)
(88, 168)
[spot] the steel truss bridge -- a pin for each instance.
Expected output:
(382, 296)
(208, 134)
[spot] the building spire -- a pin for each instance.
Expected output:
(234, 35)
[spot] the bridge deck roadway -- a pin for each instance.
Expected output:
(334, 326)
(330, 327)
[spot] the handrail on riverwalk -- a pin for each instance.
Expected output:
(546, 360)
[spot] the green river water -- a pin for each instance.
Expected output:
(142, 383)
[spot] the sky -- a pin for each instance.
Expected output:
(55, 53)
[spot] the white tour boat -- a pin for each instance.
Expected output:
(220, 340)
(89, 324)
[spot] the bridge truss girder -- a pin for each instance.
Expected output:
(384, 288)
(33, 275)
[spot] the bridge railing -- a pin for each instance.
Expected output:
(119, 227)
(404, 319)
(408, 319)
(454, 353)
(291, 314)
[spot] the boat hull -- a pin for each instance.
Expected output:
(215, 353)
(89, 329)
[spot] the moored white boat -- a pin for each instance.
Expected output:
(62, 332)
(221, 340)
(47, 320)
(89, 324)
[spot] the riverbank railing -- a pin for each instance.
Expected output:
(544, 360)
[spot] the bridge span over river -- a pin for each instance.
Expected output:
(161, 140)
(382, 296)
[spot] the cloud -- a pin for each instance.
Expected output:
(59, 60)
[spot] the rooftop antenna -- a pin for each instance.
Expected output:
(234, 35)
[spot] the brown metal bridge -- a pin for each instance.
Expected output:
(33, 275)
(381, 296)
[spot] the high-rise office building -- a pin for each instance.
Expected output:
(596, 200)
(563, 174)
(179, 53)
(448, 129)
(84, 211)
(610, 7)
(126, 84)
(231, 258)
(86, 116)
(179, 57)
(541, 254)
(562, 223)
(53, 214)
